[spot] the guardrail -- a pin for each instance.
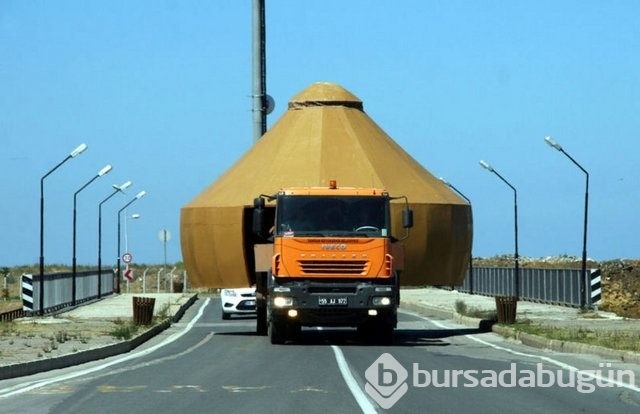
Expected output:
(553, 286)
(58, 287)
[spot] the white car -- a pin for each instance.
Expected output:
(240, 301)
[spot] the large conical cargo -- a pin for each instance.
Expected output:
(324, 135)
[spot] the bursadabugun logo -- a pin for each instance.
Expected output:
(386, 381)
(387, 378)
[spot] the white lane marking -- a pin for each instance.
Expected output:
(358, 394)
(157, 360)
(26, 387)
(550, 360)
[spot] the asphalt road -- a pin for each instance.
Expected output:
(204, 365)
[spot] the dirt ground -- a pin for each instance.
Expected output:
(26, 341)
(621, 287)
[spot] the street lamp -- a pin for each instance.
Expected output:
(137, 197)
(448, 184)
(515, 209)
(117, 189)
(72, 154)
(583, 279)
(100, 173)
(134, 216)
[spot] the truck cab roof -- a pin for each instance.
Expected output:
(338, 191)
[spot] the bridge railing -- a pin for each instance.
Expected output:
(58, 289)
(553, 286)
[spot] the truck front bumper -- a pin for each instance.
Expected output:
(334, 304)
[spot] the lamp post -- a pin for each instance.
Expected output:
(126, 236)
(100, 173)
(583, 279)
(72, 154)
(117, 189)
(448, 184)
(259, 74)
(515, 210)
(137, 197)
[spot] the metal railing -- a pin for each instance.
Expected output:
(58, 289)
(553, 286)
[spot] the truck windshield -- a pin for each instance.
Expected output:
(345, 216)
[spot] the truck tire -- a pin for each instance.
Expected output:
(261, 318)
(295, 332)
(366, 332)
(384, 335)
(277, 332)
(261, 303)
(376, 333)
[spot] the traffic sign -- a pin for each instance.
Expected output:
(127, 257)
(164, 235)
(128, 274)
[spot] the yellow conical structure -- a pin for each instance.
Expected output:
(324, 135)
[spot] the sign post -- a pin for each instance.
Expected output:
(164, 236)
(128, 273)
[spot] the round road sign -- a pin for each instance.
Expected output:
(127, 257)
(164, 235)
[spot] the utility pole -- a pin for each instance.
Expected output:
(259, 92)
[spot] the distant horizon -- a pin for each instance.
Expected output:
(553, 258)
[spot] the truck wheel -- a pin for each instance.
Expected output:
(366, 332)
(261, 319)
(276, 332)
(384, 335)
(295, 332)
(261, 303)
(376, 333)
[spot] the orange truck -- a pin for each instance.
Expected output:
(326, 256)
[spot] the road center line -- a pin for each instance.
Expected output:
(356, 391)
(26, 387)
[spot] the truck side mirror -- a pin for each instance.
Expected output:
(407, 218)
(258, 215)
(258, 202)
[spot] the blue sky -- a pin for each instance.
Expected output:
(161, 90)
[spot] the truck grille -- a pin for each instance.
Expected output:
(333, 267)
(333, 289)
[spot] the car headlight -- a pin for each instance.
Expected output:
(228, 292)
(282, 301)
(382, 301)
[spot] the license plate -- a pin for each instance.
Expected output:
(333, 301)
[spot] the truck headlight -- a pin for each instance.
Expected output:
(282, 301)
(382, 301)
